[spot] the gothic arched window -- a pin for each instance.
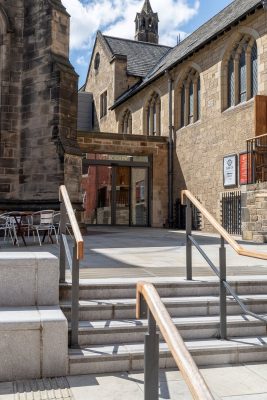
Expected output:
(126, 122)
(189, 99)
(152, 120)
(242, 72)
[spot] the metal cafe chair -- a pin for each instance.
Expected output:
(42, 221)
(7, 225)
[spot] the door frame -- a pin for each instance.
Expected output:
(132, 164)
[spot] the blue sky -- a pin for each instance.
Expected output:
(116, 18)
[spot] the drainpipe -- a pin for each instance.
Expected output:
(170, 153)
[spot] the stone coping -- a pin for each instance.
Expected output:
(125, 137)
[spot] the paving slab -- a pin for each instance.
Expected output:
(228, 382)
(121, 252)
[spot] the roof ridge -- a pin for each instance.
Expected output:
(137, 41)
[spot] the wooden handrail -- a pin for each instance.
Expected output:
(257, 137)
(181, 355)
(63, 196)
(239, 249)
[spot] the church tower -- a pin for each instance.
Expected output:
(147, 23)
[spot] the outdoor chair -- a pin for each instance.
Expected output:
(57, 223)
(42, 221)
(8, 227)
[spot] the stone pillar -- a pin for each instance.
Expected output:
(254, 212)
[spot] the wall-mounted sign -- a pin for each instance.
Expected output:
(245, 169)
(229, 170)
(140, 191)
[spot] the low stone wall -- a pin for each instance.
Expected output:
(254, 212)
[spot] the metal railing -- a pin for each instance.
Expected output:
(73, 258)
(257, 159)
(148, 303)
(221, 272)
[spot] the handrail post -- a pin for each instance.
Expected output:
(188, 241)
(75, 299)
(62, 258)
(151, 360)
(223, 305)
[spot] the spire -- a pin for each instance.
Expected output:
(147, 24)
(147, 7)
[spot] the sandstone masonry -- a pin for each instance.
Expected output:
(38, 149)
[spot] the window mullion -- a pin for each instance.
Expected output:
(186, 105)
(195, 94)
(236, 75)
(248, 68)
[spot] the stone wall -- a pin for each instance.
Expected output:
(38, 104)
(201, 146)
(107, 143)
(254, 212)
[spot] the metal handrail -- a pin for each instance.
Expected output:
(64, 197)
(73, 259)
(257, 137)
(221, 272)
(158, 315)
(228, 238)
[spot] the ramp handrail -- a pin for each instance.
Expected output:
(221, 272)
(147, 295)
(228, 238)
(67, 212)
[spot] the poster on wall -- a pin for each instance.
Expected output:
(230, 170)
(140, 191)
(245, 168)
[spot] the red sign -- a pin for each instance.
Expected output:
(245, 170)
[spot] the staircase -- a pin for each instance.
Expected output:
(111, 339)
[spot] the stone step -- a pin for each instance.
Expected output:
(173, 287)
(191, 328)
(111, 309)
(130, 357)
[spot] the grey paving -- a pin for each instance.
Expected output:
(246, 381)
(145, 252)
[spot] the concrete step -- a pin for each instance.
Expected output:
(130, 357)
(191, 328)
(173, 287)
(111, 309)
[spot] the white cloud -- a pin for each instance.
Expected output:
(116, 17)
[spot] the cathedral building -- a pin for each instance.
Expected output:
(188, 117)
(38, 126)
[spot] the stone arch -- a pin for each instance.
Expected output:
(125, 121)
(239, 46)
(152, 114)
(187, 95)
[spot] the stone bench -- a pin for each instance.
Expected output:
(33, 329)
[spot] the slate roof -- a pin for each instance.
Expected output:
(141, 56)
(203, 35)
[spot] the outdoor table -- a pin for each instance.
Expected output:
(18, 218)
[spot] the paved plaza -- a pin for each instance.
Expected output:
(133, 253)
(121, 252)
(243, 382)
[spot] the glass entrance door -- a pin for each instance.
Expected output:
(116, 192)
(121, 194)
(139, 196)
